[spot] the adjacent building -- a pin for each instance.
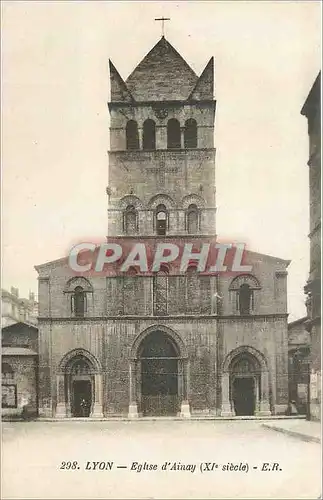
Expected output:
(19, 353)
(299, 364)
(19, 369)
(15, 308)
(167, 343)
(312, 111)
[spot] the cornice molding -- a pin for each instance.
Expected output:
(163, 104)
(158, 151)
(232, 317)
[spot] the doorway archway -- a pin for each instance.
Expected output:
(158, 374)
(245, 385)
(79, 385)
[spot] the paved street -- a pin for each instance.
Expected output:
(33, 452)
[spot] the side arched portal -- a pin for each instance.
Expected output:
(245, 374)
(79, 385)
(245, 383)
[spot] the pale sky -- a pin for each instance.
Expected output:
(55, 122)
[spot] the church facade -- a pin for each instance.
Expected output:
(177, 344)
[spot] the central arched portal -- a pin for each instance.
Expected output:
(160, 379)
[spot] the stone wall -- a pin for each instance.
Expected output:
(207, 342)
(25, 378)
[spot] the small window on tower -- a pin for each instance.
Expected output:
(149, 135)
(173, 134)
(161, 220)
(190, 134)
(132, 136)
(192, 220)
(130, 220)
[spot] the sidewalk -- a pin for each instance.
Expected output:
(302, 429)
(276, 418)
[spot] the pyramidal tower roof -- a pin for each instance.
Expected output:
(162, 75)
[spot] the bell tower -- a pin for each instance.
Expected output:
(162, 155)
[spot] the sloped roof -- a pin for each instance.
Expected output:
(119, 91)
(297, 321)
(262, 257)
(162, 75)
(204, 85)
(19, 325)
(313, 100)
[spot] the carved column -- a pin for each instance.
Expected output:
(133, 408)
(161, 137)
(60, 396)
(97, 405)
(264, 395)
(140, 136)
(226, 410)
(257, 394)
(182, 137)
(185, 406)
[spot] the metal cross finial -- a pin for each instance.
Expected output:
(162, 19)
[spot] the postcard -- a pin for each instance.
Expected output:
(161, 289)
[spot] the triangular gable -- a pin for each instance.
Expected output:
(119, 91)
(251, 256)
(162, 75)
(204, 86)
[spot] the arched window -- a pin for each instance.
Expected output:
(7, 373)
(132, 136)
(190, 134)
(149, 135)
(242, 292)
(161, 292)
(130, 220)
(161, 220)
(78, 301)
(192, 219)
(173, 134)
(245, 298)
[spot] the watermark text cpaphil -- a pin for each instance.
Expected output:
(145, 256)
